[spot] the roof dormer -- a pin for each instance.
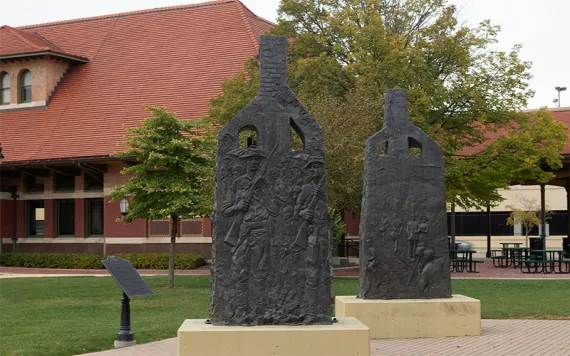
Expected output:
(31, 68)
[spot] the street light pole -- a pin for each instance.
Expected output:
(559, 89)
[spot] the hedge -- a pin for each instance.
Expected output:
(90, 261)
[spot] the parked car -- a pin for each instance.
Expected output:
(462, 245)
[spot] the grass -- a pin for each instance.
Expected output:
(73, 315)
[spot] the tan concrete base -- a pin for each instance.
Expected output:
(347, 337)
(414, 318)
(121, 344)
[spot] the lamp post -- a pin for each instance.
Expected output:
(559, 89)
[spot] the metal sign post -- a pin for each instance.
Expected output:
(132, 285)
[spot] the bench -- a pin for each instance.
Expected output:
(463, 264)
(532, 265)
(500, 261)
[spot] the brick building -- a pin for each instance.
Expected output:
(68, 89)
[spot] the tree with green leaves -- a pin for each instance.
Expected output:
(172, 175)
(345, 54)
(527, 215)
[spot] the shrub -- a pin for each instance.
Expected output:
(90, 261)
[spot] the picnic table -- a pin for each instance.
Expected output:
(511, 244)
(510, 255)
(546, 261)
(462, 261)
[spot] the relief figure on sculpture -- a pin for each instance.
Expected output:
(413, 231)
(250, 205)
(313, 237)
(431, 268)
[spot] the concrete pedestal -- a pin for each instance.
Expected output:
(347, 337)
(120, 344)
(414, 318)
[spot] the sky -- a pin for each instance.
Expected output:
(541, 27)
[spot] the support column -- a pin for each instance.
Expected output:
(488, 231)
(568, 205)
(452, 247)
(125, 337)
(15, 234)
(543, 213)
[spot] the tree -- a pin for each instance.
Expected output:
(173, 173)
(528, 215)
(344, 56)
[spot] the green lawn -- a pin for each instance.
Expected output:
(72, 315)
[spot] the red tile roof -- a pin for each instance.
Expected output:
(563, 115)
(176, 57)
(18, 42)
(560, 114)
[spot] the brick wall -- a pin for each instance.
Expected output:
(352, 222)
(46, 72)
(6, 218)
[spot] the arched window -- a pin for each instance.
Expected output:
(4, 88)
(247, 136)
(26, 86)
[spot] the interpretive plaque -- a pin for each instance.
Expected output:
(132, 285)
(127, 277)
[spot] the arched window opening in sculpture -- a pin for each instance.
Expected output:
(414, 148)
(4, 88)
(383, 148)
(247, 136)
(26, 86)
(297, 137)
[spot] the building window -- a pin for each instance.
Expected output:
(4, 88)
(94, 216)
(65, 217)
(35, 216)
(475, 224)
(64, 182)
(93, 181)
(26, 86)
(34, 184)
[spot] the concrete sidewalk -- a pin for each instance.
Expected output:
(16, 272)
(486, 270)
(498, 338)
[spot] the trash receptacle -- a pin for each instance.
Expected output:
(537, 243)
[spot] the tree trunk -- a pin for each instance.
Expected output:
(171, 259)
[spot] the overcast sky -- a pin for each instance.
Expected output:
(542, 27)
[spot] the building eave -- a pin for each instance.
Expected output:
(69, 160)
(43, 53)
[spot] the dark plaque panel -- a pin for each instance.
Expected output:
(403, 231)
(271, 246)
(127, 277)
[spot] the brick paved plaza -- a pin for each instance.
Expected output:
(498, 337)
